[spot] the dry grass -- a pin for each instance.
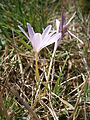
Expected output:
(18, 83)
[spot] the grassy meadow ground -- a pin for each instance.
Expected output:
(20, 96)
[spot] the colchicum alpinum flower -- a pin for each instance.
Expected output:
(38, 40)
(63, 27)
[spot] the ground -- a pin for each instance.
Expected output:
(20, 93)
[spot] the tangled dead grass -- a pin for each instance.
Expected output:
(18, 83)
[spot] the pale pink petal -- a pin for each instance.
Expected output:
(55, 47)
(46, 31)
(51, 40)
(37, 38)
(23, 32)
(43, 42)
(45, 39)
(52, 33)
(30, 31)
(75, 37)
(54, 38)
(57, 25)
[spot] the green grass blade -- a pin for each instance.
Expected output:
(56, 88)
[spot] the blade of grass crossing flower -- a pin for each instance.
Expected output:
(57, 85)
(50, 66)
(55, 47)
(25, 44)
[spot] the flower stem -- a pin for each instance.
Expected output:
(37, 72)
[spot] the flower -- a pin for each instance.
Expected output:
(62, 28)
(38, 40)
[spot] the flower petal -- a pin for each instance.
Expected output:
(57, 25)
(55, 46)
(46, 31)
(75, 37)
(54, 38)
(51, 40)
(46, 38)
(37, 38)
(23, 32)
(30, 31)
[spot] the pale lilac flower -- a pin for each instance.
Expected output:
(38, 40)
(62, 28)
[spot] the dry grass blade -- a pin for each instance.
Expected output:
(31, 112)
(77, 102)
(3, 109)
(50, 109)
(64, 101)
